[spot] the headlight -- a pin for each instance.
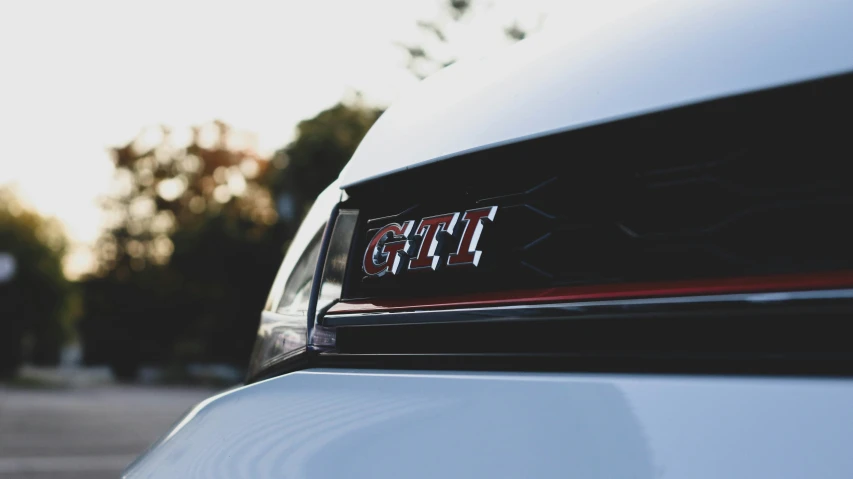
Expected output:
(334, 269)
(288, 319)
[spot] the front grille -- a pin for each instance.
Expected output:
(750, 185)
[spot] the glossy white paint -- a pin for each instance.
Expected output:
(334, 424)
(671, 53)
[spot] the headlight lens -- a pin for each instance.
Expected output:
(283, 332)
(334, 270)
(288, 316)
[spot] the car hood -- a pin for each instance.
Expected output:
(667, 54)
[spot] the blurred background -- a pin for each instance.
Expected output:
(157, 158)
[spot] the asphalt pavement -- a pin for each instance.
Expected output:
(84, 433)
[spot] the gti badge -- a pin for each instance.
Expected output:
(397, 247)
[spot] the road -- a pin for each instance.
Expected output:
(84, 433)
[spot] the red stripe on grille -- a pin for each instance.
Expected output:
(832, 280)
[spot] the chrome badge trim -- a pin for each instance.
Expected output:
(786, 301)
(427, 246)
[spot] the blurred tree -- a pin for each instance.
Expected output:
(34, 294)
(436, 49)
(191, 247)
(160, 188)
(323, 145)
(194, 240)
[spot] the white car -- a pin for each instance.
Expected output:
(622, 254)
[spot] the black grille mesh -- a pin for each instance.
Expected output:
(749, 185)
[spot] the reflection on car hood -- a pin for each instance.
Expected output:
(669, 53)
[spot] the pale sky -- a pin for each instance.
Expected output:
(77, 77)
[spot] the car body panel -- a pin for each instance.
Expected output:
(665, 55)
(390, 424)
(386, 424)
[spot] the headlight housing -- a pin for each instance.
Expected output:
(287, 328)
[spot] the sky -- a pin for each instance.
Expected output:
(79, 77)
